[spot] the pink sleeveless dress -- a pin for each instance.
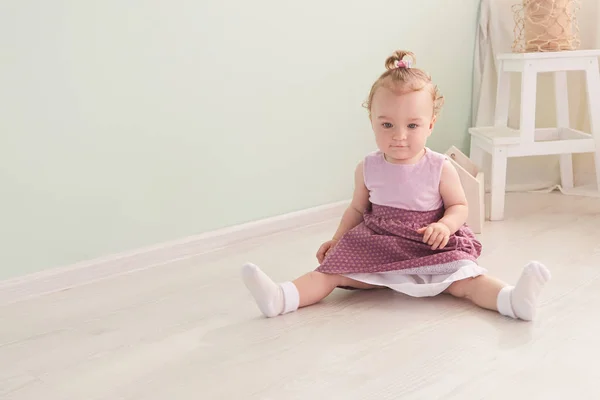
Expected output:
(385, 248)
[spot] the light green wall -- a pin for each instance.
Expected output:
(127, 123)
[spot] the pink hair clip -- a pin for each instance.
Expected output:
(403, 64)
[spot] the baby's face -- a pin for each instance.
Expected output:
(402, 123)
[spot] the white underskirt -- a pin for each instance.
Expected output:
(419, 285)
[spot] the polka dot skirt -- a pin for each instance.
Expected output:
(387, 241)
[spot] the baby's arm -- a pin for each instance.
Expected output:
(454, 198)
(360, 201)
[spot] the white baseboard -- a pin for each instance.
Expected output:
(58, 279)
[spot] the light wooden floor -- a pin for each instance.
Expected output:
(189, 330)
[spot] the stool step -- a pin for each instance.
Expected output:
(500, 135)
(497, 135)
(547, 141)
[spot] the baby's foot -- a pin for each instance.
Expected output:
(267, 294)
(525, 295)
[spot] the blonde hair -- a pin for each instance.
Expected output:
(401, 76)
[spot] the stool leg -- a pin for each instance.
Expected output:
(498, 184)
(502, 96)
(562, 121)
(593, 92)
(528, 104)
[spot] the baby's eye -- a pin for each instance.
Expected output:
(387, 125)
(413, 126)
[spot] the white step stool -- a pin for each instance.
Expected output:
(502, 142)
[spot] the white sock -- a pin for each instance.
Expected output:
(520, 301)
(272, 299)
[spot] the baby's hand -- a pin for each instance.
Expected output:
(437, 235)
(325, 248)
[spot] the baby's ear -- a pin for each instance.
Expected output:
(432, 122)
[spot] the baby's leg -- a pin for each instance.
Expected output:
(519, 301)
(482, 290)
(274, 299)
(315, 286)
